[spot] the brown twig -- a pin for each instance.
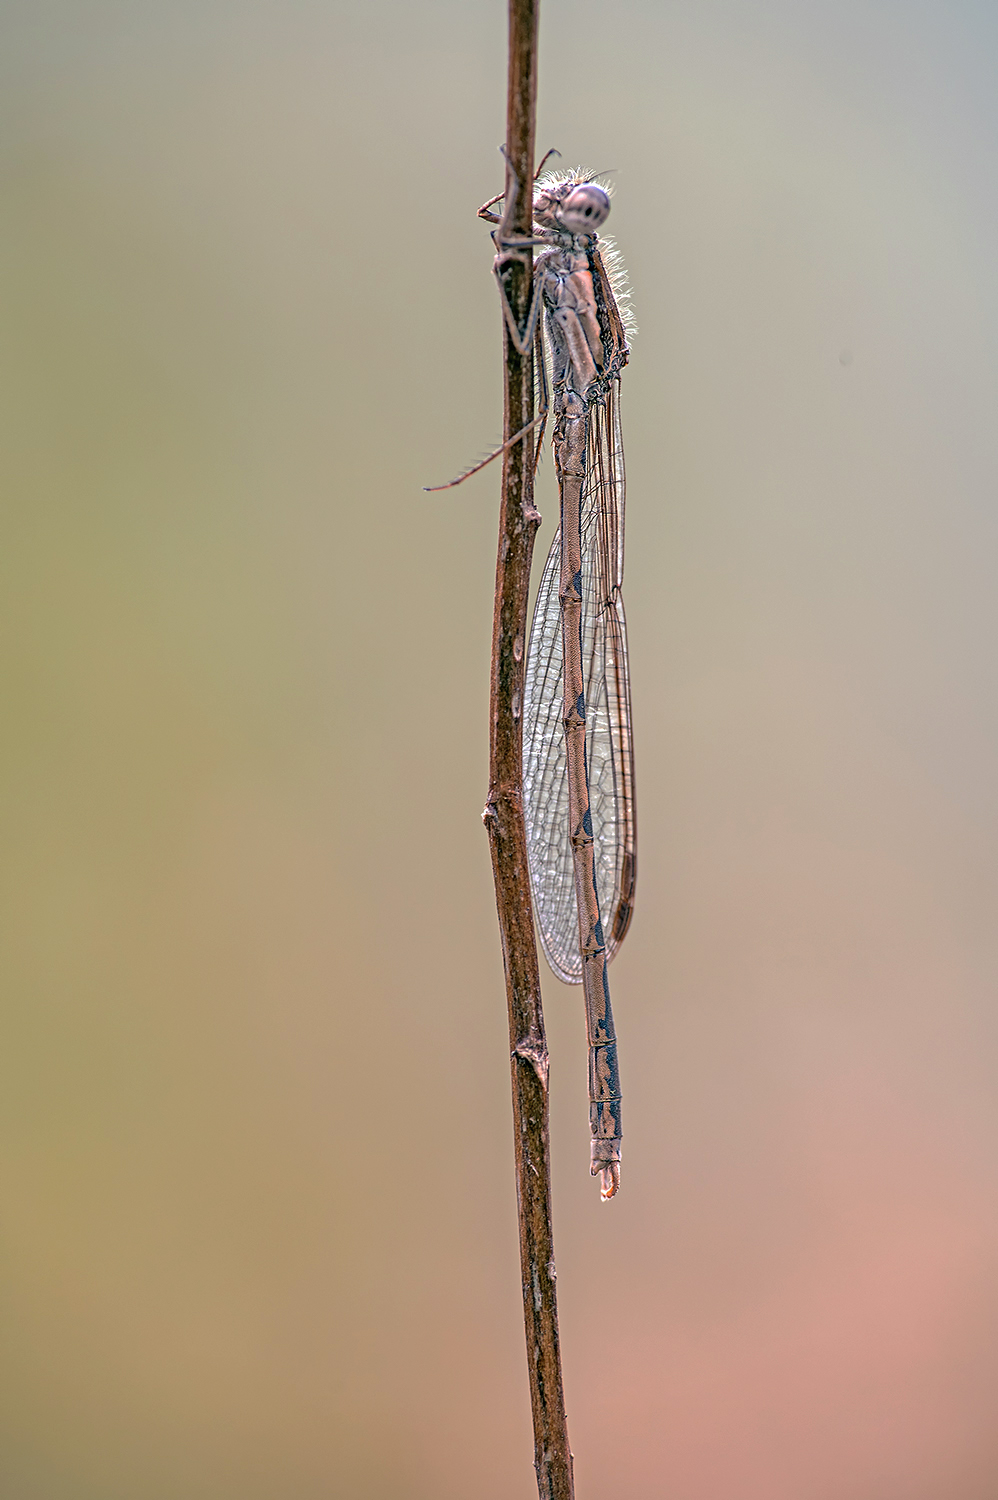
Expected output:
(504, 810)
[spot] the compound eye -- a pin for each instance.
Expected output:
(585, 208)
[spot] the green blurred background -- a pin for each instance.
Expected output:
(248, 1250)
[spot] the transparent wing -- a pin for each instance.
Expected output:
(609, 742)
(545, 781)
(609, 749)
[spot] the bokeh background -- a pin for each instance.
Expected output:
(258, 1207)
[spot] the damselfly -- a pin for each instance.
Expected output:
(578, 764)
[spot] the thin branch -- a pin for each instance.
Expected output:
(504, 810)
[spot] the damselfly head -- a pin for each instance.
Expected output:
(585, 208)
(572, 204)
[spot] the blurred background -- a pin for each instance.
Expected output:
(259, 1231)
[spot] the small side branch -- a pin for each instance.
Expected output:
(504, 811)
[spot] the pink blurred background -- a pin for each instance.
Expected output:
(247, 314)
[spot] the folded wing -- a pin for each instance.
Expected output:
(609, 747)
